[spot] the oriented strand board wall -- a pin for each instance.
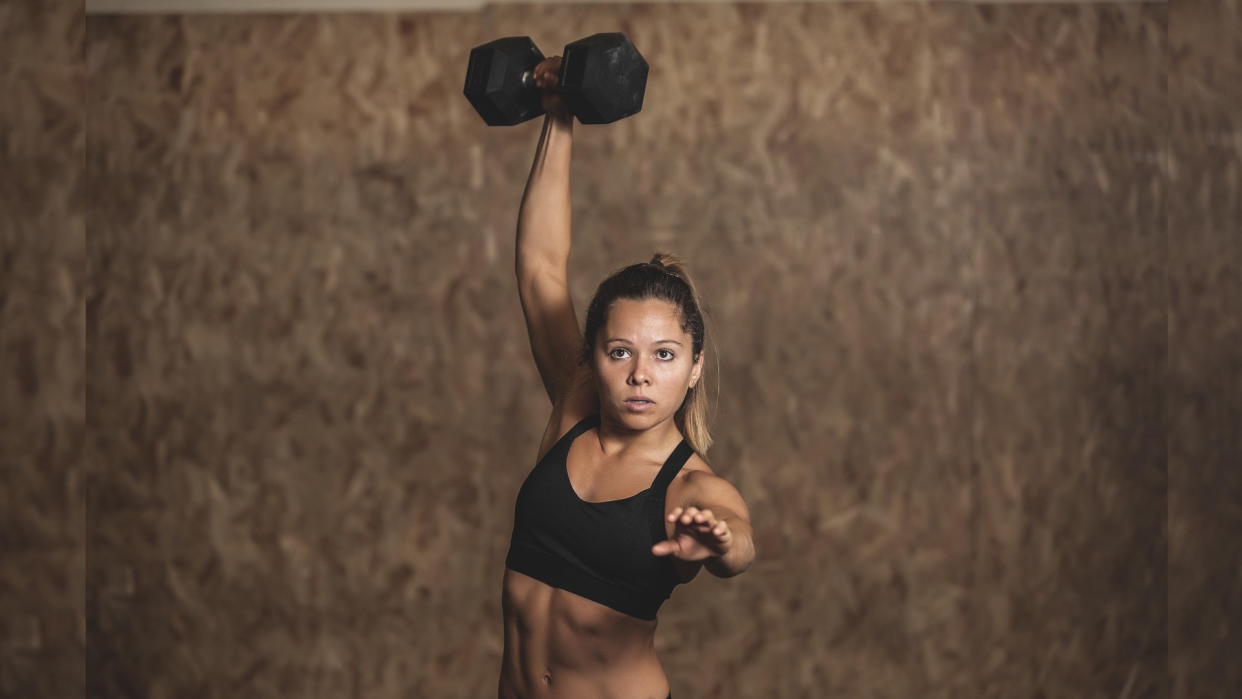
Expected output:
(932, 239)
(1205, 350)
(42, 351)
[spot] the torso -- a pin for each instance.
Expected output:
(558, 645)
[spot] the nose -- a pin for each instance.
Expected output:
(639, 373)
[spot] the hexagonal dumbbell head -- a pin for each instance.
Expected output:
(494, 81)
(603, 78)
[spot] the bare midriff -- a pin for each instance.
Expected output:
(559, 645)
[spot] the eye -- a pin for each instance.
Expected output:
(669, 352)
(613, 352)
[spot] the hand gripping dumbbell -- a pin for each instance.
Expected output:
(602, 79)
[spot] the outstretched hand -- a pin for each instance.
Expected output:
(696, 536)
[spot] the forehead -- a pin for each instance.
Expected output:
(642, 317)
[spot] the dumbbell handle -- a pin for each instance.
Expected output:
(528, 81)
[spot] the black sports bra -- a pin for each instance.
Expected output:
(598, 550)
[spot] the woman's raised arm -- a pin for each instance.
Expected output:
(543, 245)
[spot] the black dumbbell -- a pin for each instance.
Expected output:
(602, 79)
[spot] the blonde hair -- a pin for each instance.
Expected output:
(664, 277)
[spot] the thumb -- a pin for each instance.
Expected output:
(665, 547)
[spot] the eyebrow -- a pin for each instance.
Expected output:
(657, 342)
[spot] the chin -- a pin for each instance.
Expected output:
(648, 418)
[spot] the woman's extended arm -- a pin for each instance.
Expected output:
(715, 529)
(543, 243)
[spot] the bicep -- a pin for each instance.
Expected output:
(711, 492)
(555, 339)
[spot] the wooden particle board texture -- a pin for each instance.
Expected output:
(971, 276)
(43, 291)
(1205, 364)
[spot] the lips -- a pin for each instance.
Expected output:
(639, 404)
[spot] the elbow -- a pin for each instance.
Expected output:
(744, 565)
(733, 564)
(528, 266)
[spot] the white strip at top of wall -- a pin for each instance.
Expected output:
(177, 7)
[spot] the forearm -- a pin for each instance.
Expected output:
(740, 555)
(543, 230)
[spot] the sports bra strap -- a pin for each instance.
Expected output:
(583, 425)
(676, 460)
(561, 447)
(657, 505)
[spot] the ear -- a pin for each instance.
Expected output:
(696, 370)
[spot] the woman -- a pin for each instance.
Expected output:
(621, 506)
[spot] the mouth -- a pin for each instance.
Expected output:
(639, 403)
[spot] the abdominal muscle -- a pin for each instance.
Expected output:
(559, 645)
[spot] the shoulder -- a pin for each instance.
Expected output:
(698, 485)
(580, 401)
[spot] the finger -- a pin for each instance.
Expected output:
(704, 524)
(666, 547)
(688, 516)
(717, 530)
(672, 516)
(706, 517)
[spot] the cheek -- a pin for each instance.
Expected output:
(678, 378)
(608, 376)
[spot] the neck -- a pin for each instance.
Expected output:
(617, 440)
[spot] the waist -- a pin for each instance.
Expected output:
(558, 644)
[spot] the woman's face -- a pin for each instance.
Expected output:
(642, 352)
